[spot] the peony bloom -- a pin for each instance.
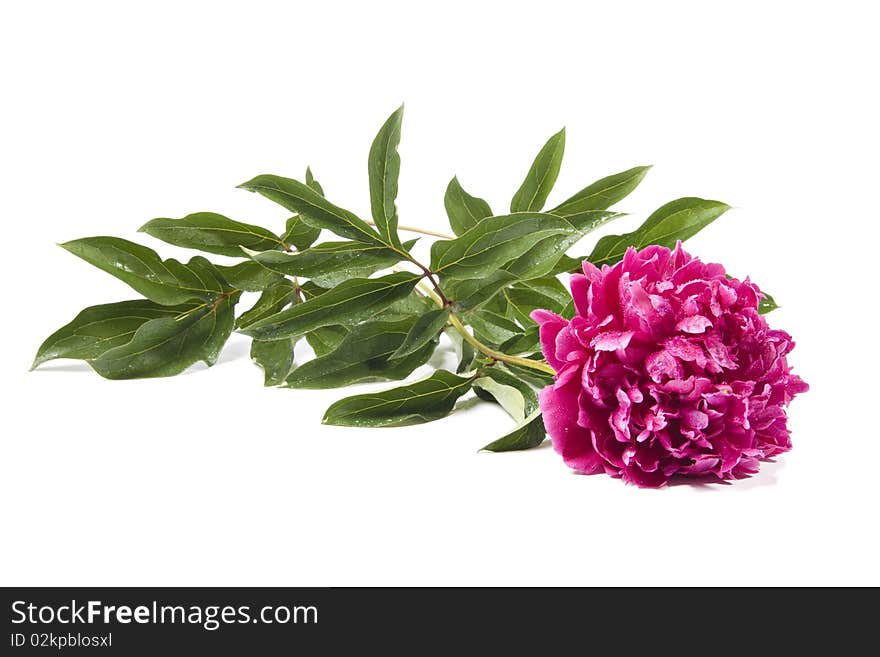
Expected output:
(666, 369)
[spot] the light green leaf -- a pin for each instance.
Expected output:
(348, 303)
(527, 434)
(330, 263)
(167, 282)
(363, 355)
(213, 233)
(423, 331)
(167, 346)
(494, 242)
(507, 396)
(100, 328)
(275, 357)
(603, 193)
(413, 403)
(677, 220)
(271, 301)
(532, 194)
(312, 207)
(384, 170)
(464, 211)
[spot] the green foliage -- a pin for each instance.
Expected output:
(365, 306)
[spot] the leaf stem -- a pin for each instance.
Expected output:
(497, 355)
(423, 231)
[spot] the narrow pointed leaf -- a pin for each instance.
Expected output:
(527, 342)
(603, 193)
(527, 434)
(491, 327)
(167, 346)
(330, 263)
(677, 220)
(168, 282)
(412, 403)
(213, 233)
(767, 304)
(299, 234)
(275, 357)
(100, 328)
(313, 208)
(423, 331)
(348, 303)
(384, 170)
(312, 183)
(271, 301)
(532, 194)
(464, 211)
(363, 355)
(508, 397)
(494, 242)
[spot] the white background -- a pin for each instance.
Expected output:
(113, 115)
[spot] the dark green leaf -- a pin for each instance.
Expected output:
(677, 220)
(423, 331)
(491, 327)
(326, 339)
(533, 376)
(767, 304)
(409, 306)
(100, 328)
(168, 282)
(494, 242)
(527, 342)
(248, 276)
(363, 355)
(473, 292)
(533, 193)
(543, 293)
(464, 211)
(312, 207)
(271, 301)
(384, 170)
(420, 401)
(527, 434)
(603, 193)
(211, 232)
(330, 263)
(348, 303)
(275, 357)
(167, 346)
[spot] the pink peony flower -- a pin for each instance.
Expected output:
(666, 369)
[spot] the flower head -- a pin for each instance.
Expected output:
(666, 369)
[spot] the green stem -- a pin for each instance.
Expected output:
(422, 231)
(497, 355)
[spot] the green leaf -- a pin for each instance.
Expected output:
(275, 357)
(384, 170)
(312, 183)
(299, 234)
(312, 207)
(527, 342)
(213, 233)
(473, 292)
(543, 293)
(677, 220)
(168, 282)
(464, 351)
(533, 376)
(326, 339)
(603, 193)
(248, 276)
(409, 306)
(167, 346)
(533, 193)
(348, 303)
(493, 242)
(767, 304)
(363, 355)
(100, 328)
(271, 301)
(464, 211)
(420, 401)
(491, 327)
(509, 397)
(423, 331)
(330, 263)
(527, 434)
